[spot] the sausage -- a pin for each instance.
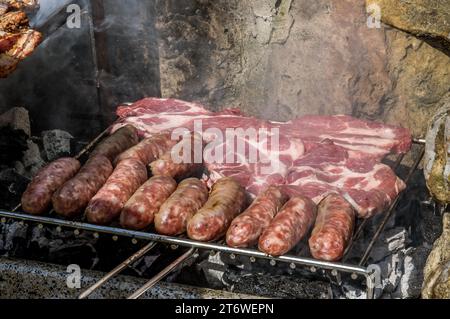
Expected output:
(140, 209)
(288, 227)
(37, 198)
(180, 166)
(226, 200)
(333, 229)
(118, 142)
(175, 213)
(107, 204)
(72, 198)
(247, 227)
(148, 149)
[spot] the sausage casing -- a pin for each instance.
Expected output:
(246, 229)
(107, 204)
(37, 198)
(118, 142)
(173, 216)
(149, 149)
(180, 161)
(139, 211)
(333, 229)
(72, 198)
(288, 227)
(226, 200)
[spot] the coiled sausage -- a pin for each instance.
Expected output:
(37, 198)
(333, 229)
(118, 142)
(139, 211)
(288, 227)
(107, 204)
(173, 216)
(149, 149)
(72, 198)
(226, 200)
(180, 161)
(247, 227)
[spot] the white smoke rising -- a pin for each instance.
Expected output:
(47, 8)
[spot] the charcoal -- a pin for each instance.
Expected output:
(56, 144)
(12, 185)
(13, 144)
(17, 119)
(32, 159)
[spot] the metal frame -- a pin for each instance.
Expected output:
(153, 238)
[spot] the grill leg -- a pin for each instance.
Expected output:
(117, 270)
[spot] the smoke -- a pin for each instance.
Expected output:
(58, 82)
(47, 8)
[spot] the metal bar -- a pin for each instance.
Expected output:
(390, 211)
(185, 242)
(420, 141)
(157, 278)
(88, 147)
(398, 161)
(361, 226)
(117, 270)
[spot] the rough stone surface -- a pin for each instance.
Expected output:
(56, 144)
(423, 18)
(27, 279)
(17, 119)
(280, 59)
(32, 159)
(437, 269)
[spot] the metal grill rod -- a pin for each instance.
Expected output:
(162, 274)
(391, 211)
(186, 242)
(117, 270)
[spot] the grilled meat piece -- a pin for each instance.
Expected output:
(13, 21)
(7, 41)
(27, 5)
(24, 45)
(3, 8)
(7, 65)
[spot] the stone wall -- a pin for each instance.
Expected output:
(282, 58)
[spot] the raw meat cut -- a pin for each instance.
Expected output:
(153, 116)
(368, 185)
(316, 155)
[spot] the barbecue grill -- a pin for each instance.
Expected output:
(358, 271)
(258, 63)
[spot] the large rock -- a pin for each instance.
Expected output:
(437, 269)
(423, 18)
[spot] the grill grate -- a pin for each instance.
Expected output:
(356, 270)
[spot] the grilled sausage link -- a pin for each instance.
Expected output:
(149, 149)
(288, 227)
(118, 142)
(72, 198)
(107, 204)
(173, 216)
(140, 209)
(333, 229)
(246, 229)
(226, 201)
(37, 198)
(180, 162)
